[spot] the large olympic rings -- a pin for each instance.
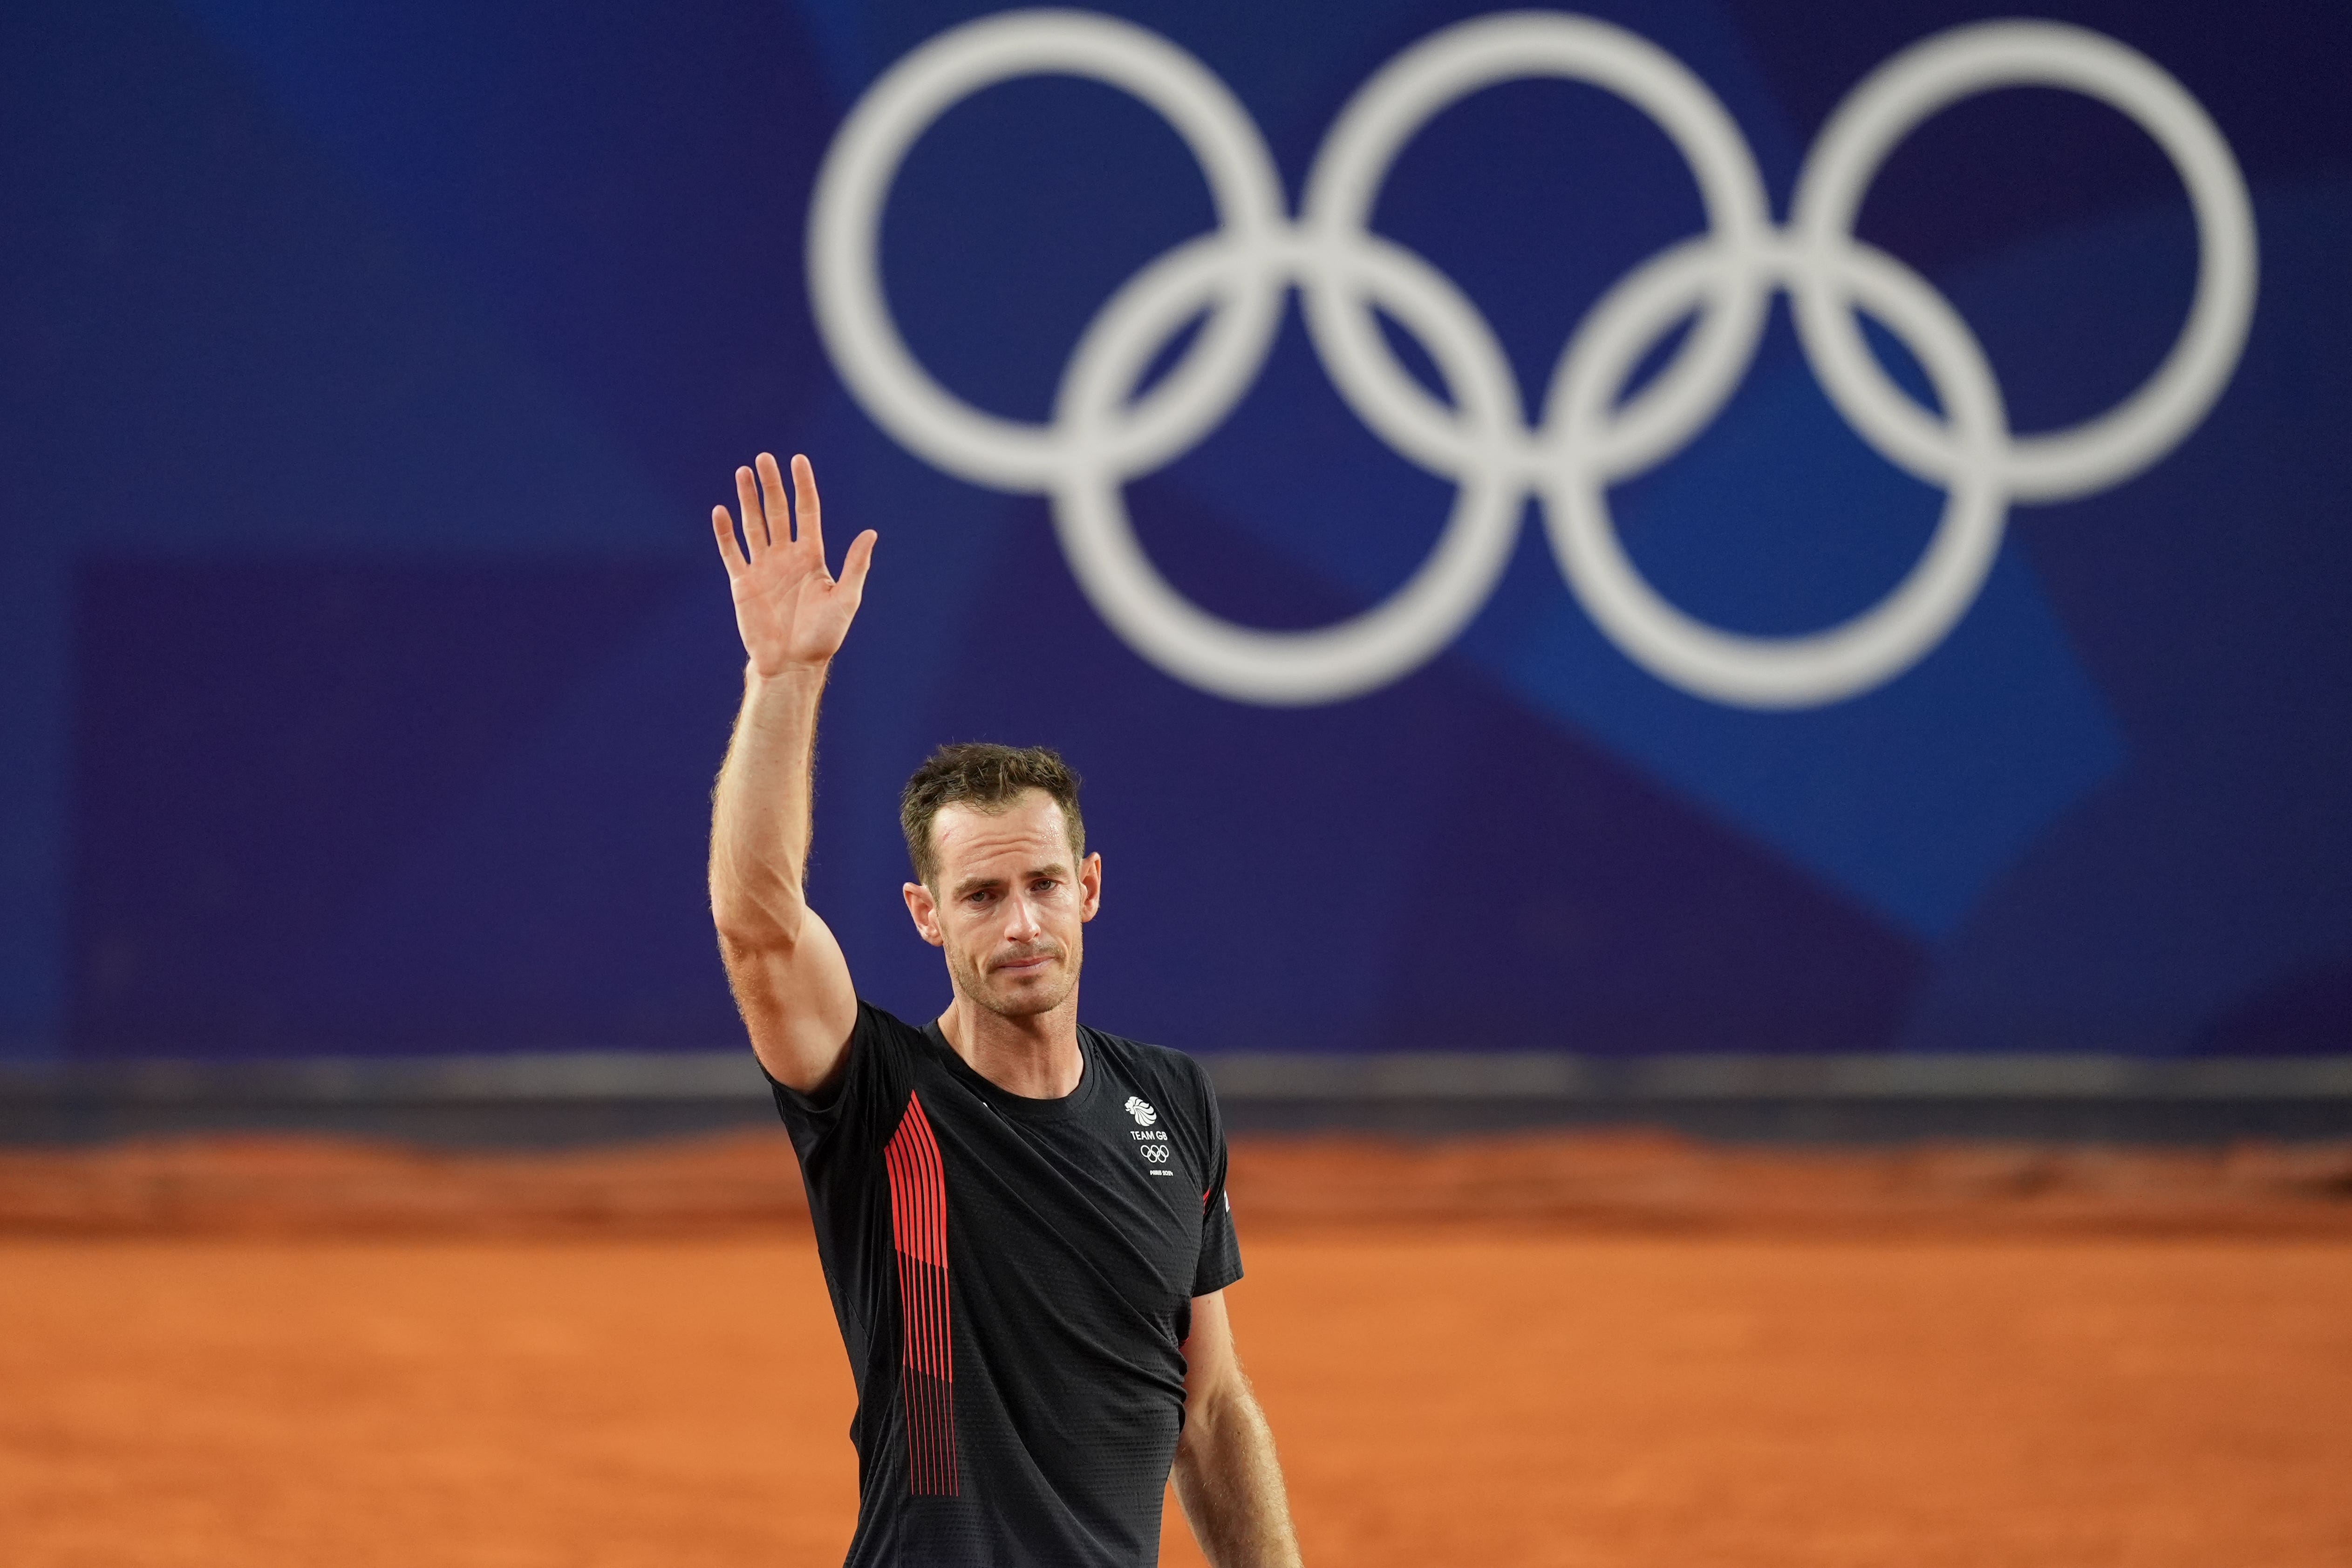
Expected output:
(1102, 435)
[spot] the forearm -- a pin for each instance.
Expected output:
(759, 819)
(1229, 1483)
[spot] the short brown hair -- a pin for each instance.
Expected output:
(990, 778)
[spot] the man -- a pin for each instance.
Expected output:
(1022, 1221)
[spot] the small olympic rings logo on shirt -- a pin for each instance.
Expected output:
(1589, 436)
(1156, 1154)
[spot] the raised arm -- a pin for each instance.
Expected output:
(790, 978)
(1226, 1474)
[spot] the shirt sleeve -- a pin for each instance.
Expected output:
(852, 1108)
(1221, 1250)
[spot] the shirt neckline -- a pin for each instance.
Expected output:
(1021, 1105)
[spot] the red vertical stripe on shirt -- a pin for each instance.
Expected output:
(919, 1230)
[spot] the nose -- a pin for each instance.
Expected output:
(1021, 922)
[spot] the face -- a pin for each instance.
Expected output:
(1008, 903)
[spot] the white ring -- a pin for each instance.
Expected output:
(1804, 671)
(1276, 668)
(1385, 114)
(1930, 76)
(845, 220)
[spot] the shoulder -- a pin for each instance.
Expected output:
(877, 1031)
(1177, 1081)
(890, 1047)
(876, 1059)
(882, 1024)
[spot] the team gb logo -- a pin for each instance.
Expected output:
(1140, 1109)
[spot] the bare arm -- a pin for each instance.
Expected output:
(790, 978)
(1227, 1475)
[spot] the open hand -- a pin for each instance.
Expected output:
(789, 609)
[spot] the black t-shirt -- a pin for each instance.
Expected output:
(1014, 1278)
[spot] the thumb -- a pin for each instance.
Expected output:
(855, 564)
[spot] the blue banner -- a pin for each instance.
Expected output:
(1673, 527)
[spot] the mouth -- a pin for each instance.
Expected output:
(1027, 963)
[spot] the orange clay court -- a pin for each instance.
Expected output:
(1960, 1366)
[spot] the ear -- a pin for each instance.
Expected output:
(926, 912)
(1090, 883)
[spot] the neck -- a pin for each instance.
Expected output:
(1036, 1057)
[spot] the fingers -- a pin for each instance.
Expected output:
(806, 514)
(768, 517)
(771, 496)
(755, 527)
(730, 552)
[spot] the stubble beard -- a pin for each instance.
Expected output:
(1026, 1003)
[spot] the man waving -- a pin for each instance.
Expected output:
(1022, 1220)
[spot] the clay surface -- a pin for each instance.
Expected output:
(1459, 1389)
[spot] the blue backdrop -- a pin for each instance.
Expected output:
(371, 370)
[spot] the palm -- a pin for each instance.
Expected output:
(789, 609)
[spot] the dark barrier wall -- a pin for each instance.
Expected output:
(1715, 685)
